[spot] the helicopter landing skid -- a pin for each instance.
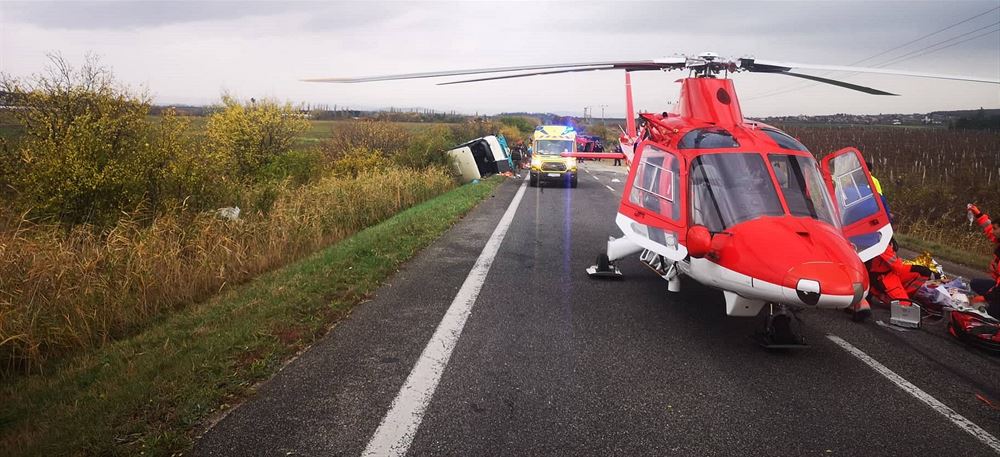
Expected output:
(780, 330)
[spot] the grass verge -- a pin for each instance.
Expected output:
(150, 392)
(962, 257)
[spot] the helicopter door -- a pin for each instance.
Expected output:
(863, 217)
(652, 208)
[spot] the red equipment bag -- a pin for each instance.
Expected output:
(976, 329)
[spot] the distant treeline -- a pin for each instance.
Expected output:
(322, 114)
(981, 120)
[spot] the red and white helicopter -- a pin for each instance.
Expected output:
(736, 204)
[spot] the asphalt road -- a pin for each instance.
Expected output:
(552, 362)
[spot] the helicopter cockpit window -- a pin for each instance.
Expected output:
(656, 180)
(708, 138)
(800, 181)
(554, 147)
(727, 189)
(785, 141)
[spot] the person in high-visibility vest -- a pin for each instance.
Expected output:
(878, 190)
(988, 289)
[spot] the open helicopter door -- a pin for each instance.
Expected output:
(863, 217)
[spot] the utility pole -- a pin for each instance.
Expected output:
(602, 114)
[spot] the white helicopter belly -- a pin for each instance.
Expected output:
(746, 295)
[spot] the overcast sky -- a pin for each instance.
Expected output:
(190, 52)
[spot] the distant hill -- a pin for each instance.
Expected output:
(978, 118)
(967, 113)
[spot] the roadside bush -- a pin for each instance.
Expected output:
(474, 128)
(357, 160)
(88, 151)
(364, 145)
(300, 167)
(524, 125)
(252, 135)
(426, 149)
(371, 135)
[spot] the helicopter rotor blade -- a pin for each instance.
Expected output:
(763, 66)
(555, 72)
(664, 63)
(859, 88)
(667, 63)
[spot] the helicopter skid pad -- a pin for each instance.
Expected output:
(611, 273)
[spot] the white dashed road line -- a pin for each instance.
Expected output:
(399, 426)
(954, 417)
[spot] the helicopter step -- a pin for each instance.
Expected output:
(781, 329)
(667, 269)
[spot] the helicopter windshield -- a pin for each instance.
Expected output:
(553, 147)
(801, 183)
(730, 188)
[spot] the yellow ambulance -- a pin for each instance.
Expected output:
(548, 144)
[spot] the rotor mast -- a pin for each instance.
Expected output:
(709, 100)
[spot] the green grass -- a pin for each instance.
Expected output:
(151, 392)
(977, 260)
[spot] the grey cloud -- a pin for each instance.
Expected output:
(870, 24)
(110, 15)
(345, 15)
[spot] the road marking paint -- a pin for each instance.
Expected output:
(596, 178)
(399, 426)
(954, 417)
(612, 189)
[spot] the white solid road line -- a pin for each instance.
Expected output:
(399, 426)
(954, 417)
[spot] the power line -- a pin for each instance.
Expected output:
(902, 57)
(950, 45)
(897, 58)
(926, 36)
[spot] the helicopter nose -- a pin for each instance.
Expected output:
(824, 285)
(809, 260)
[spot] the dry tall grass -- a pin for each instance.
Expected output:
(64, 290)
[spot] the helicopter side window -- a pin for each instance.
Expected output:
(728, 188)
(708, 138)
(784, 140)
(800, 181)
(657, 178)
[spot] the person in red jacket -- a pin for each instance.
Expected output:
(988, 289)
(891, 279)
